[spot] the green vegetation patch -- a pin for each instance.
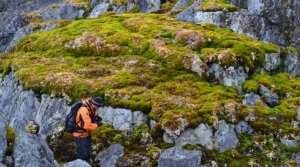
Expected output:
(137, 61)
(217, 5)
(10, 138)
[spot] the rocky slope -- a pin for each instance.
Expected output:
(226, 98)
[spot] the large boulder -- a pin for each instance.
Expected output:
(109, 157)
(3, 142)
(201, 135)
(99, 9)
(178, 157)
(121, 119)
(31, 150)
(147, 6)
(216, 18)
(77, 163)
(62, 11)
(225, 137)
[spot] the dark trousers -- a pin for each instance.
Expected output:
(84, 147)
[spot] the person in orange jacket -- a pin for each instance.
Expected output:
(87, 120)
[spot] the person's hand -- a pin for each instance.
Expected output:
(98, 120)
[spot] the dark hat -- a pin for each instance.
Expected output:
(97, 101)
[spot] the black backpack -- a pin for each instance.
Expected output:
(70, 122)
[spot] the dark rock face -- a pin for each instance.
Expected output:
(110, 157)
(177, 157)
(3, 143)
(31, 150)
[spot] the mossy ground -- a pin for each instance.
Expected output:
(137, 61)
(10, 138)
(217, 5)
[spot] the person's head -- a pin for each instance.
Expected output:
(97, 102)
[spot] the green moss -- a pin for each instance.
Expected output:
(217, 5)
(10, 137)
(251, 86)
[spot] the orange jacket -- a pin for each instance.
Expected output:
(84, 120)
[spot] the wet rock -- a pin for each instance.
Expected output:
(201, 135)
(3, 142)
(216, 18)
(272, 61)
(271, 99)
(251, 99)
(99, 9)
(121, 119)
(225, 137)
(31, 150)
(176, 156)
(32, 127)
(110, 157)
(292, 64)
(139, 118)
(290, 143)
(147, 6)
(243, 127)
(61, 12)
(77, 163)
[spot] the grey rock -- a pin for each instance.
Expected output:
(61, 11)
(9, 161)
(238, 3)
(77, 163)
(147, 6)
(231, 76)
(201, 135)
(271, 99)
(153, 123)
(3, 142)
(177, 157)
(2, 165)
(292, 64)
(272, 61)
(255, 6)
(290, 143)
(99, 9)
(188, 14)
(194, 63)
(179, 4)
(225, 137)
(121, 119)
(175, 132)
(110, 157)
(139, 118)
(31, 150)
(296, 157)
(51, 113)
(167, 138)
(32, 127)
(22, 32)
(250, 99)
(216, 18)
(243, 127)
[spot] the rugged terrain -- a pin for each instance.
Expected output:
(211, 81)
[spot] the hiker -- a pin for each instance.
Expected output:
(87, 120)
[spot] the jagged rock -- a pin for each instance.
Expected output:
(3, 142)
(62, 11)
(9, 160)
(255, 6)
(250, 99)
(138, 118)
(231, 76)
(31, 150)
(147, 6)
(51, 113)
(153, 123)
(99, 9)
(292, 64)
(121, 119)
(176, 157)
(216, 18)
(243, 127)
(77, 163)
(272, 61)
(290, 143)
(110, 157)
(32, 127)
(225, 137)
(179, 4)
(22, 32)
(201, 135)
(271, 99)
(188, 14)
